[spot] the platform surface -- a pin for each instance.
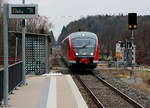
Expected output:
(48, 91)
(62, 93)
(27, 96)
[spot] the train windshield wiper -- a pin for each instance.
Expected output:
(85, 45)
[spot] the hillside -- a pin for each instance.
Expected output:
(110, 29)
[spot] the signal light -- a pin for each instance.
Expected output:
(129, 26)
(132, 21)
(132, 26)
(135, 26)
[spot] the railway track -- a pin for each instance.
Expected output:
(104, 94)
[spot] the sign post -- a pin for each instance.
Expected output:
(23, 51)
(5, 51)
(23, 44)
(14, 11)
(23, 11)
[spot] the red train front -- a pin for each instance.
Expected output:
(80, 48)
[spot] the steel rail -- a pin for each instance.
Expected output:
(123, 95)
(95, 99)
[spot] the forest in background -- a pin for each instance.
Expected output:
(113, 28)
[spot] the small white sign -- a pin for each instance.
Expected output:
(23, 11)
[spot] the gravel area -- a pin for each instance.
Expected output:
(140, 97)
(107, 97)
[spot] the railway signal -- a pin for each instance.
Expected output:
(129, 44)
(122, 44)
(125, 52)
(132, 21)
(126, 44)
(133, 54)
(132, 25)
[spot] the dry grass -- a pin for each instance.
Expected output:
(125, 73)
(142, 87)
(118, 73)
(146, 77)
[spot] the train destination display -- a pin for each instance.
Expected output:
(23, 11)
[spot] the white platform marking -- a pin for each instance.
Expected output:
(53, 74)
(52, 98)
(78, 97)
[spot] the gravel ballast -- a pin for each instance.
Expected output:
(140, 97)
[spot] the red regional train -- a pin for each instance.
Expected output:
(80, 49)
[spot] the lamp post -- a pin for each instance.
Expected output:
(23, 49)
(5, 51)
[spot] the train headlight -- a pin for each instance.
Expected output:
(91, 53)
(77, 54)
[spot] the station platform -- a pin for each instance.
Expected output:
(48, 91)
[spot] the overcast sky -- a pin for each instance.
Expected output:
(61, 12)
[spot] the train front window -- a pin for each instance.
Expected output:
(83, 43)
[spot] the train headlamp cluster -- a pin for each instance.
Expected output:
(83, 34)
(84, 54)
(77, 54)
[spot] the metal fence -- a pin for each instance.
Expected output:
(15, 77)
(36, 52)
